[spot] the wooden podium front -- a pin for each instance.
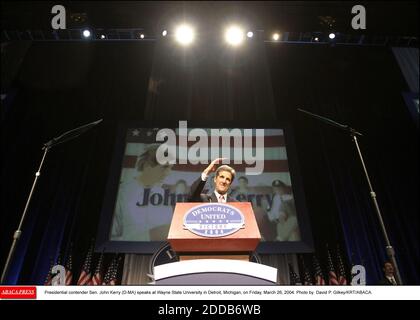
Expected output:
(237, 245)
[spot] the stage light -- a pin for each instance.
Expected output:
(276, 36)
(184, 34)
(141, 36)
(164, 33)
(102, 36)
(234, 36)
(250, 34)
(86, 33)
(331, 35)
(316, 39)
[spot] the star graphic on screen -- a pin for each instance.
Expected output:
(135, 133)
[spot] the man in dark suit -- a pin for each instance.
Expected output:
(222, 182)
(389, 279)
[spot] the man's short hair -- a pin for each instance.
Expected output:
(182, 181)
(226, 168)
(243, 178)
(278, 184)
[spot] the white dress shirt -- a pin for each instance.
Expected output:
(218, 196)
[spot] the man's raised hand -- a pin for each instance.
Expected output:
(212, 166)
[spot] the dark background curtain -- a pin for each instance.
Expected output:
(212, 83)
(360, 87)
(60, 86)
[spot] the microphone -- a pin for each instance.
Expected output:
(66, 136)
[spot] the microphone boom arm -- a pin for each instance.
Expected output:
(353, 133)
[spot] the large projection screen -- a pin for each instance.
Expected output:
(141, 193)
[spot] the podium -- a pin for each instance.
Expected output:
(236, 245)
(225, 234)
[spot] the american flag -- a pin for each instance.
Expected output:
(114, 276)
(307, 279)
(69, 268)
(341, 270)
(107, 276)
(97, 276)
(332, 276)
(111, 275)
(86, 274)
(319, 278)
(294, 279)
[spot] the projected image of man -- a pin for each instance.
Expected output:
(141, 213)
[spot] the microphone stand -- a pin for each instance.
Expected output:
(47, 146)
(353, 134)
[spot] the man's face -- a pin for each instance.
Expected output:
(278, 190)
(181, 188)
(389, 269)
(243, 183)
(222, 182)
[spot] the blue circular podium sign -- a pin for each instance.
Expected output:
(213, 220)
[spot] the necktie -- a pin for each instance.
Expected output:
(222, 199)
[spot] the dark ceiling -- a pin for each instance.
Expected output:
(383, 17)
